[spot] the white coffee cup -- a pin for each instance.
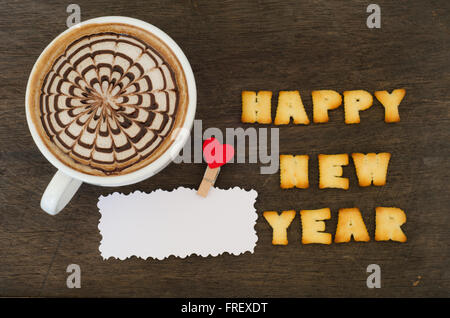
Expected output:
(66, 181)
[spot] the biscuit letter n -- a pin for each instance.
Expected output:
(354, 102)
(290, 105)
(390, 103)
(294, 171)
(388, 222)
(323, 101)
(330, 171)
(371, 167)
(313, 226)
(279, 224)
(350, 223)
(256, 108)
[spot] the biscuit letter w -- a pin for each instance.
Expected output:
(371, 168)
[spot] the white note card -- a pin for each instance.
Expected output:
(178, 222)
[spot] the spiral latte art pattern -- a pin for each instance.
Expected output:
(109, 101)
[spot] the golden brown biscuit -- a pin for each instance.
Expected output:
(290, 105)
(350, 223)
(388, 224)
(390, 103)
(279, 224)
(313, 226)
(354, 102)
(323, 101)
(371, 167)
(294, 171)
(257, 108)
(330, 171)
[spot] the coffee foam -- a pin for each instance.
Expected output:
(109, 101)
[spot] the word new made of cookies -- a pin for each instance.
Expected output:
(371, 168)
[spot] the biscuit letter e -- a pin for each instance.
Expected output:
(313, 226)
(330, 171)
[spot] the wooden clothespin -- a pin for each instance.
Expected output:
(216, 155)
(209, 178)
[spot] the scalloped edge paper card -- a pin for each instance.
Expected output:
(177, 222)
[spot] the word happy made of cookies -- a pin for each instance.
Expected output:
(371, 168)
(257, 106)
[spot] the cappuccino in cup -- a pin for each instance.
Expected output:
(110, 102)
(106, 98)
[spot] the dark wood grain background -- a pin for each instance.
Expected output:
(251, 45)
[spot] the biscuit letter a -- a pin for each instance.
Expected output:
(371, 167)
(256, 108)
(279, 224)
(290, 105)
(350, 223)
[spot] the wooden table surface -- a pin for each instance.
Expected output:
(250, 45)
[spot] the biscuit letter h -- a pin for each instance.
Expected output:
(256, 107)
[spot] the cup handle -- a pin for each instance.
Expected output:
(59, 192)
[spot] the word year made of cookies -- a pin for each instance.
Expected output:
(371, 168)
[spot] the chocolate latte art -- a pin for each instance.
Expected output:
(109, 102)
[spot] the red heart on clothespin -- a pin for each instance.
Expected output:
(216, 154)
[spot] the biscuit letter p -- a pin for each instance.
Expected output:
(279, 223)
(256, 108)
(354, 102)
(323, 101)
